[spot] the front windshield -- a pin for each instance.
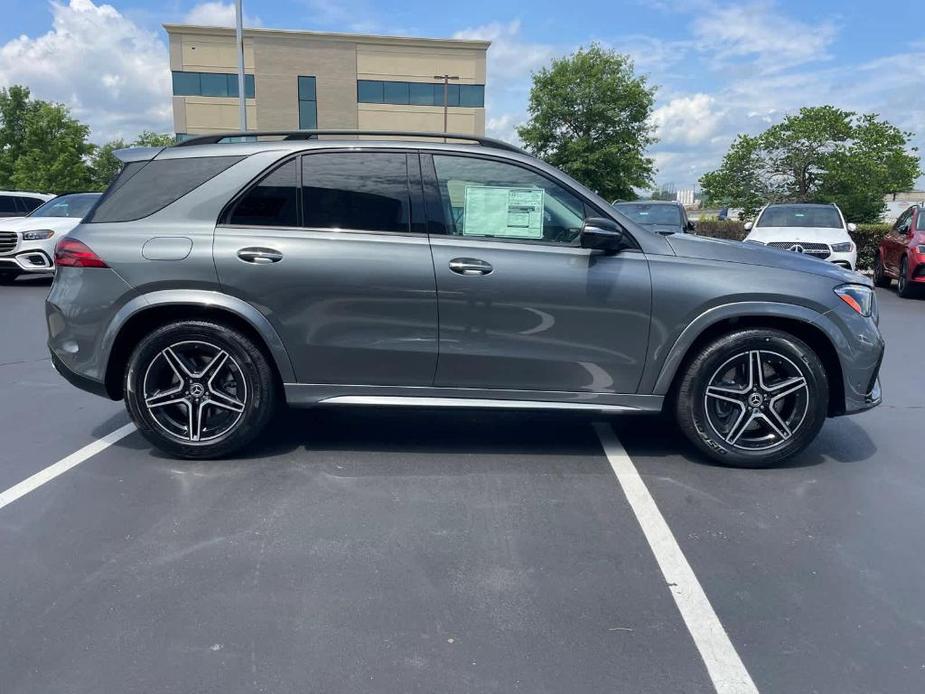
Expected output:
(800, 216)
(75, 206)
(642, 213)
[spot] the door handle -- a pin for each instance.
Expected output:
(470, 267)
(260, 256)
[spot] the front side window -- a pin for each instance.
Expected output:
(920, 222)
(824, 216)
(364, 191)
(274, 201)
(485, 198)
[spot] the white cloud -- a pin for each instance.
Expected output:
(687, 119)
(757, 32)
(219, 14)
(511, 62)
(112, 74)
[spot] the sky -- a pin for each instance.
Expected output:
(721, 68)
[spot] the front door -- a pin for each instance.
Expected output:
(521, 305)
(329, 247)
(896, 242)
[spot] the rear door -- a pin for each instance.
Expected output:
(331, 246)
(522, 306)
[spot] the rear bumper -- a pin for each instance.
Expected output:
(88, 384)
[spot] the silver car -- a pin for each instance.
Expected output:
(218, 278)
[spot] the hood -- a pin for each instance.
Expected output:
(693, 246)
(59, 225)
(798, 234)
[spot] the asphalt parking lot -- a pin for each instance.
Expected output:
(361, 550)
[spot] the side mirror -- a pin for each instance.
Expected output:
(748, 226)
(852, 226)
(691, 226)
(601, 234)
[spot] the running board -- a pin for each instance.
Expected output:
(481, 403)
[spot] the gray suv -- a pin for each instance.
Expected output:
(218, 278)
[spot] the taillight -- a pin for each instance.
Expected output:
(74, 253)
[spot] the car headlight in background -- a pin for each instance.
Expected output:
(37, 235)
(845, 247)
(921, 249)
(760, 243)
(858, 297)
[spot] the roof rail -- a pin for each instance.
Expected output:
(314, 135)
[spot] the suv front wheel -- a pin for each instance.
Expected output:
(198, 389)
(753, 398)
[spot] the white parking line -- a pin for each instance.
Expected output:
(76, 458)
(724, 666)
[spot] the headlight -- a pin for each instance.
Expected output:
(858, 297)
(845, 247)
(760, 243)
(37, 235)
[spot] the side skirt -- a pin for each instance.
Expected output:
(307, 395)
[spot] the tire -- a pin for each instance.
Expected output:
(783, 423)
(881, 279)
(905, 288)
(8, 276)
(179, 370)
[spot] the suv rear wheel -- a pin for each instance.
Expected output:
(881, 279)
(198, 389)
(753, 398)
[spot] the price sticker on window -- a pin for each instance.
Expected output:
(504, 212)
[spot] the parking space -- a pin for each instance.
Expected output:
(371, 550)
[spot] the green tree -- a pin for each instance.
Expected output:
(147, 138)
(590, 116)
(104, 165)
(41, 146)
(821, 154)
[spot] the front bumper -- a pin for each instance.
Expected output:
(27, 261)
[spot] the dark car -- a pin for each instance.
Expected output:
(901, 254)
(214, 280)
(660, 216)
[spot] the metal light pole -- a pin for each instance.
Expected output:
(239, 38)
(446, 95)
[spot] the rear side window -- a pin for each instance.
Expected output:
(366, 191)
(274, 201)
(144, 189)
(30, 204)
(8, 205)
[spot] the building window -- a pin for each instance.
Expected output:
(211, 84)
(420, 93)
(308, 104)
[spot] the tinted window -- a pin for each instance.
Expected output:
(75, 206)
(155, 185)
(308, 104)
(397, 92)
(665, 215)
(272, 202)
(490, 198)
(369, 92)
(920, 222)
(30, 204)
(8, 206)
(800, 216)
(355, 190)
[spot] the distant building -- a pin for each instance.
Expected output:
(686, 197)
(303, 79)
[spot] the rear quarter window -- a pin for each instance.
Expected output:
(142, 189)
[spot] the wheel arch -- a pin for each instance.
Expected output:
(143, 314)
(803, 323)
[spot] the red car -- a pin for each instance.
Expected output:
(901, 254)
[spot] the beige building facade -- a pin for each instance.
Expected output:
(303, 79)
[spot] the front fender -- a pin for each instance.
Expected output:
(658, 376)
(203, 299)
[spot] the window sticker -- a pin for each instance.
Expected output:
(506, 212)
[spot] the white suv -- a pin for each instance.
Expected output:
(27, 244)
(816, 230)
